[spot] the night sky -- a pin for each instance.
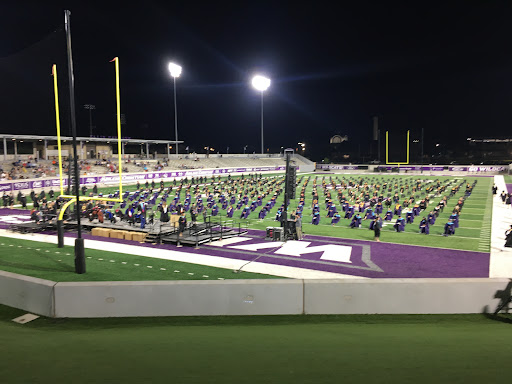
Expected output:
(446, 68)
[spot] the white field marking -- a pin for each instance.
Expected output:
(100, 259)
(190, 273)
(220, 278)
(57, 252)
(27, 247)
(229, 241)
(206, 276)
(47, 250)
(68, 254)
(149, 266)
(112, 261)
(255, 247)
(11, 245)
(37, 249)
(137, 265)
(59, 260)
(124, 262)
(19, 246)
(176, 271)
(89, 257)
(163, 269)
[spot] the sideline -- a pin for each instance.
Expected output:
(166, 254)
(501, 258)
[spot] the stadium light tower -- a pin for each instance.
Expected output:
(175, 70)
(261, 83)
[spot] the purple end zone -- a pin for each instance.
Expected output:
(509, 188)
(366, 258)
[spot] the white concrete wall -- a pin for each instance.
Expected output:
(28, 293)
(406, 296)
(249, 297)
(179, 298)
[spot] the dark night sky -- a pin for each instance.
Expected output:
(444, 68)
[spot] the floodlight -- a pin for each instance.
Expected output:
(261, 83)
(175, 70)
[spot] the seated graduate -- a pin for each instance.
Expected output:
(431, 218)
(369, 215)
(378, 208)
(409, 217)
(316, 218)
(398, 209)
(389, 215)
(350, 212)
(455, 218)
(399, 224)
(336, 218)
(424, 226)
(278, 214)
(215, 210)
(449, 228)
(356, 221)
(230, 211)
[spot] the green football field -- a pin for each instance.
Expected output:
(47, 261)
(258, 349)
(475, 219)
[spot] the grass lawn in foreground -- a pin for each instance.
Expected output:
(46, 261)
(259, 349)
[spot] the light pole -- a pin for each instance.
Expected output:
(90, 107)
(303, 147)
(175, 70)
(245, 148)
(261, 83)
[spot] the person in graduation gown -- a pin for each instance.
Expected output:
(508, 238)
(335, 218)
(182, 223)
(230, 211)
(431, 218)
(449, 228)
(356, 221)
(424, 226)
(409, 217)
(316, 218)
(215, 210)
(399, 224)
(164, 213)
(23, 201)
(389, 215)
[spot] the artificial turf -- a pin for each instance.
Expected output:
(475, 218)
(46, 261)
(273, 349)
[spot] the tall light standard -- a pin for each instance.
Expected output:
(175, 70)
(261, 83)
(90, 107)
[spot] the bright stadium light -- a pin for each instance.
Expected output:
(175, 71)
(261, 83)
